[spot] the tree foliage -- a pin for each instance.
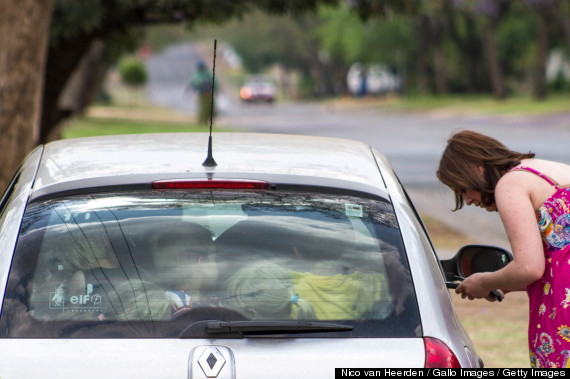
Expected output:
(132, 72)
(466, 46)
(115, 23)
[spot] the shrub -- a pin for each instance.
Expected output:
(132, 72)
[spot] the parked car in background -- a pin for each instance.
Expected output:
(258, 88)
(283, 256)
(375, 79)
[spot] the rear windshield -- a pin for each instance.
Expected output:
(152, 263)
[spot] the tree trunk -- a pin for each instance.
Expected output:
(467, 39)
(539, 77)
(492, 56)
(24, 31)
(80, 89)
(83, 85)
(563, 17)
(566, 27)
(423, 36)
(471, 50)
(440, 69)
(62, 62)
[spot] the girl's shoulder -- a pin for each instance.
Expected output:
(536, 178)
(521, 179)
(552, 172)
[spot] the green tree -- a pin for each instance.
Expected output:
(546, 13)
(115, 25)
(132, 72)
(340, 35)
(516, 40)
(474, 26)
(348, 38)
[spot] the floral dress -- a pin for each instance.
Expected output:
(549, 297)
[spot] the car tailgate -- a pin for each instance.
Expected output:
(179, 358)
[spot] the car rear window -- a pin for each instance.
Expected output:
(152, 263)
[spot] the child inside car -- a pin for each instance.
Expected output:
(184, 261)
(264, 290)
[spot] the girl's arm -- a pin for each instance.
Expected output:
(513, 200)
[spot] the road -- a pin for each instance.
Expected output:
(411, 142)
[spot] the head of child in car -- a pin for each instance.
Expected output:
(263, 290)
(184, 257)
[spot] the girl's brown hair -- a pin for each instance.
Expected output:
(466, 151)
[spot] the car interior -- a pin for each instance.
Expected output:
(319, 259)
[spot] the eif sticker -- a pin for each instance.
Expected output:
(353, 210)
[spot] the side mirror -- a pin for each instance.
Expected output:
(471, 259)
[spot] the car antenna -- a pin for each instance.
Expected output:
(210, 162)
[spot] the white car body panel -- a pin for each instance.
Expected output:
(184, 153)
(162, 358)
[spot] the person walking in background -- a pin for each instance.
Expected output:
(532, 197)
(201, 84)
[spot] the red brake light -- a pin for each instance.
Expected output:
(439, 355)
(210, 184)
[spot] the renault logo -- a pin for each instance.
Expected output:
(211, 361)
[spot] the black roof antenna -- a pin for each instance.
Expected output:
(210, 162)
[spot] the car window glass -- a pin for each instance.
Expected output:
(145, 264)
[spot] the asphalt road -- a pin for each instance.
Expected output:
(411, 142)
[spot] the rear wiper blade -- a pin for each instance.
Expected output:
(237, 329)
(272, 327)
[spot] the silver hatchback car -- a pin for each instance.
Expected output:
(282, 257)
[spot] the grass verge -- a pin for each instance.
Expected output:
(483, 105)
(110, 120)
(455, 105)
(498, 330)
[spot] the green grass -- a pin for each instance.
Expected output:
(484, 104)
(92, 126)
(111, 120)
(498, 330)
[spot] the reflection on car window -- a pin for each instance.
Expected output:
(138, 264)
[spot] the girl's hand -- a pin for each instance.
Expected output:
(475, 287)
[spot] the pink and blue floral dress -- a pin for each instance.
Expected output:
(549, 297)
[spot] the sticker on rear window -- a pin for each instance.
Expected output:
(353, 210)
